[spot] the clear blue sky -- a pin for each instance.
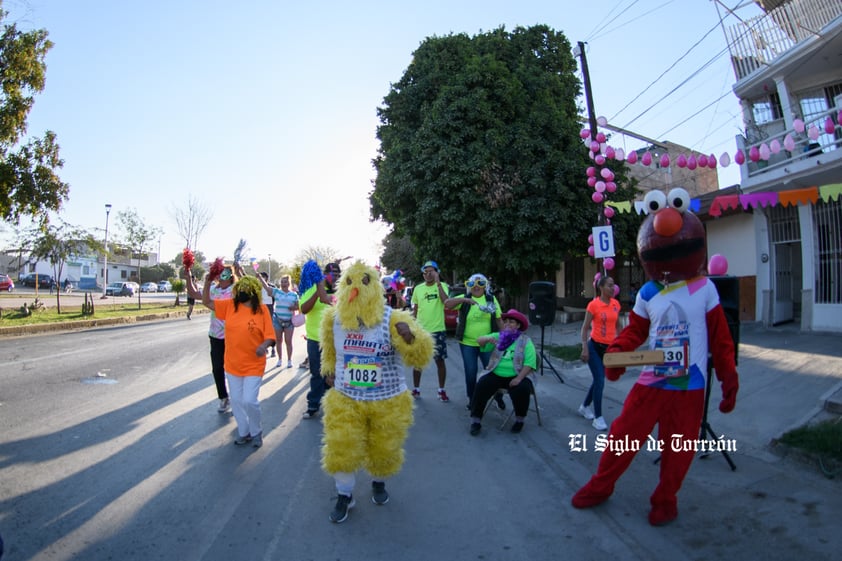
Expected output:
(265, 110)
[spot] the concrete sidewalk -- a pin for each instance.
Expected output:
(787, 379)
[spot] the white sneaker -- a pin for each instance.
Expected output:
(599, 424)
(279, 364)
(586, 412)
(224, 405)
(289, 364)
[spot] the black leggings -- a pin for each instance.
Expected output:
(488, 385)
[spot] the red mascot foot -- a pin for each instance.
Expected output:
(662, 515)
(586, 497)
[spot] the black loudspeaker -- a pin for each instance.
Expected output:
(729, 296)
(542, 303)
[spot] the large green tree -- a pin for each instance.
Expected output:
(480, 162)
(29, 185)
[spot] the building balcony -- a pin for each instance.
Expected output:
(758, 42)
(810, 162)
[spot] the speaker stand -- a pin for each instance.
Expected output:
(706, 429)
(547, 362)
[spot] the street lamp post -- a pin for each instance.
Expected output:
(105, 255)
(270, 267)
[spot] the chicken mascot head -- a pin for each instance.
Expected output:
(677, 312)
(367, 415)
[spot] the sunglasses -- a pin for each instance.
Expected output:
(480, 283)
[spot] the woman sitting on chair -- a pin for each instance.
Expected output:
(512, 363)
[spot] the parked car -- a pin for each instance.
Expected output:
(149, 287)
(6, 283)
(121, 289)
(44, 281)
(164, 286)
(450, 316)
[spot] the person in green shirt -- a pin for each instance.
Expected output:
(314, 301)
(512, 364)
(428, 308)
(479, 314)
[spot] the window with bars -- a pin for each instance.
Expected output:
(767, 109)
(827, 239)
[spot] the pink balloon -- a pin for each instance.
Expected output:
(725, 159)
(754, 154)
(595, 147)
(665, 161)
(774, 146)
(599, 159)
(600, 186)
(632, 157)
(591, 181)
(681, 161)
(798, 125)
(591, 171)
(703, 161)
(607, 174)
(610, 153)
(712, 161)
(608, 263)
(591, 251)
(607, 222)
(813, 132)
(765, 153)
(616, 290)
(789, 143)
(590, 239)
(646, 159)
(740, 157)
(600, 137)
(691, 162)
(609, 212)
(610, 186)
(597, 197)
(718, 265)
(584, 134)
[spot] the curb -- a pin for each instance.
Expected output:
(38, 328)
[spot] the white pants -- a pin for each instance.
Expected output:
(245, 404)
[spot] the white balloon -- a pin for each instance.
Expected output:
(725, 160)
(601, 121)
(619, 154)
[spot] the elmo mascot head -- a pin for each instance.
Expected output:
(671, 241)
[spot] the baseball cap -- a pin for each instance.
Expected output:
(225, 275)
(432, 264)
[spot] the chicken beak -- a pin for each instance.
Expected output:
(353, 294)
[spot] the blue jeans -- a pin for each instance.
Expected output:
(595, 355)
(317, 383)
(469, 362)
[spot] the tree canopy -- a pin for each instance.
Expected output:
(29, 185)
(480, 163)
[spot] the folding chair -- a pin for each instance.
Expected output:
(501, 392)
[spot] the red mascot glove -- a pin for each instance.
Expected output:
(729, 396)
(629, 339)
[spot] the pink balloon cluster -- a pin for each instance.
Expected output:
(600, 152)
(599, 178)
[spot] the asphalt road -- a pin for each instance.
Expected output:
(112, 449)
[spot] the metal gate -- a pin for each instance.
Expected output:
(785, 237)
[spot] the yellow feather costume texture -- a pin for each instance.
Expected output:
(367, 434)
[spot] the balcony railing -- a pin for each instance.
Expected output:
(760, 40)
(803, 145)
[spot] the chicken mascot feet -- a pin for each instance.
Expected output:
(367, 415)
(679, 312)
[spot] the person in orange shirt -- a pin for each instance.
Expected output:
(602, 321)
(248, 336)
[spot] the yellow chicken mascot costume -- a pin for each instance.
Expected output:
(367, 415)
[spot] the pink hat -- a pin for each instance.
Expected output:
(518, 317)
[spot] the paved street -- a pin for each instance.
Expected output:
(112, 449)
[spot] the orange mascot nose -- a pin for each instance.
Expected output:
(667, 222)
(353, 294)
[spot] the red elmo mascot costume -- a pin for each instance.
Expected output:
(679, 312)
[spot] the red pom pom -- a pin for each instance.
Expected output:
(187, 259)
(216, 268)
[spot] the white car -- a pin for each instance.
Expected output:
(149, 287)
(164, 286)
